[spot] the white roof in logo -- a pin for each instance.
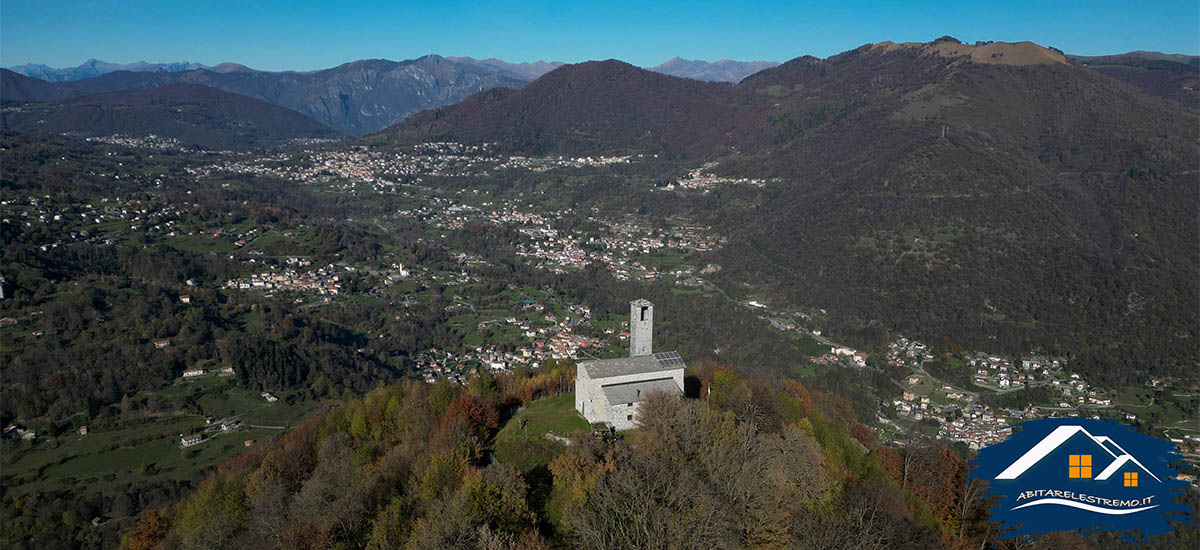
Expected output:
(1059, 436)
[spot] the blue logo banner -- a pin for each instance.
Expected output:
(1063, 474)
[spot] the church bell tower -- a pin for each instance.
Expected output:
(641, 327)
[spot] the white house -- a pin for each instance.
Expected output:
(610, 391)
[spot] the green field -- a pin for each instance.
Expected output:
(807, 345)
(147, 449)
(199, 243)
(529, 448)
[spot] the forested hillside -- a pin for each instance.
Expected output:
(745, 466)
(410, 466)
(997, 195)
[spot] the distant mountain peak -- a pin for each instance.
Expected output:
(228, 67)
(530, 70)
(724, 70)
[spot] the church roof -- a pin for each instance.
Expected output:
(621, 366)
(633, 392)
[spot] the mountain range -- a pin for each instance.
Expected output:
(724, 70)
(365, 96)
(354, 98)
(198, 116)
(95, 67)
(992, 193)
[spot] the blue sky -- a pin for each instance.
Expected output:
(306, 35)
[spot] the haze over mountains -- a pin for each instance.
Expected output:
(95, 67)
(724, 70)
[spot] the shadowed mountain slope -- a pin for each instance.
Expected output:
(580, 108)
(1175, 77)
(195, 115)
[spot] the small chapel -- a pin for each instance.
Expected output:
(609, 391)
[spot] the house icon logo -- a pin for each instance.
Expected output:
(1075, 473)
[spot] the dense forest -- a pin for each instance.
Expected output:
(745, 466)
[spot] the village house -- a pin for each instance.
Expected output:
(610, 391)
(190, 440)
(193, 373)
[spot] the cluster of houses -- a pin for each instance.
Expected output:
(903, 352)
(557, 340)
(16, 431)
(962, 416)
(325, 280)
(226, 425)
(193, 373)
(549, 248)
(14, 321)
(542, 164)
(68, 219)
(840, 355)
(382, 171)
(349, 168)
(701, 179)
(151, 141)
(977, 428)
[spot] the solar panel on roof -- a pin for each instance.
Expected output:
(668, 359)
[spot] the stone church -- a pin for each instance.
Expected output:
(609, 391)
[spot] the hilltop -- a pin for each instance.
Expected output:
(580, 108)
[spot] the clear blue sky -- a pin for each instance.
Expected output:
(305, 35)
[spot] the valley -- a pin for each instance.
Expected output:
(345, 307)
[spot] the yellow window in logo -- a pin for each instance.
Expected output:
(1079, 467)
(1131, 479)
